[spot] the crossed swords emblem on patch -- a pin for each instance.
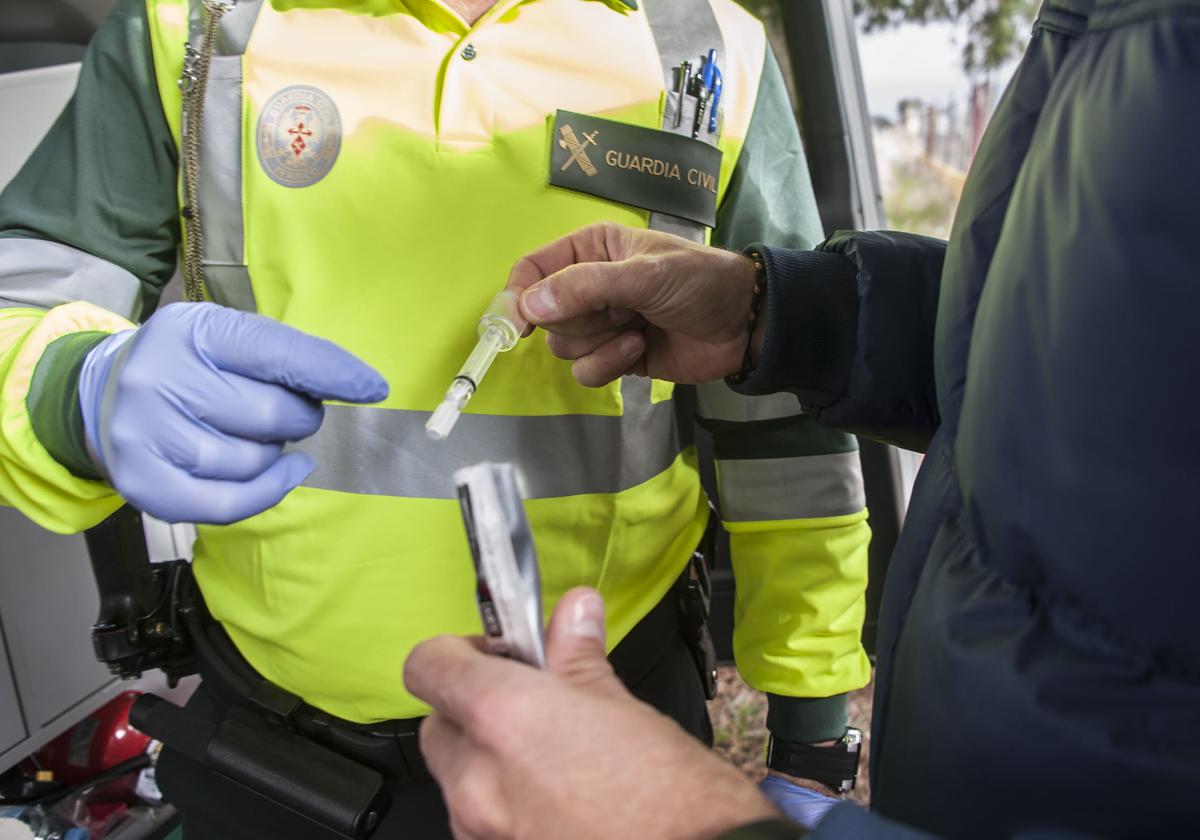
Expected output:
(578, 151)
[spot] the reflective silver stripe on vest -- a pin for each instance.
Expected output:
(717, 401)
(220, 189)
(683, 30)
(236, 26)
(385, 452)
(791, 488)
(40, 274)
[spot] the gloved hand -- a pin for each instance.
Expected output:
(187, 415)
(799, 804)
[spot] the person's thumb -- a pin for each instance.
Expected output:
(575, 641)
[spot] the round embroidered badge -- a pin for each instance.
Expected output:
(298, 137)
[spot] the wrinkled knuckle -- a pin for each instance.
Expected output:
(655, 268)
(223, 508)
(266, 414)
(414, 669)
(508, 733)
(194, 454)
(523, 274)
(588, 671)
(172, 313)
(484, 712)
(473, 810)
(188, 323)
(207, 332)
(617, 242)
(137, 376)
(288, 352)
(123, 439)
(558, 345)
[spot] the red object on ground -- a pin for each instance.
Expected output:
(102, 740)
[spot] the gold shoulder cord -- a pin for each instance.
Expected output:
(194, 83)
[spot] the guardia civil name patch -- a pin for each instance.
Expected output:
(648, 168)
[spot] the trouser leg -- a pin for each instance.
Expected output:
(674, 687)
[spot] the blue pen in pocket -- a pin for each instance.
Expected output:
(709, 94)
(707, 80)
(718, 83)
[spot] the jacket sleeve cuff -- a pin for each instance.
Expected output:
(812, 323)
(806, 720)
(850, 820)
(780, 829)
(53, 401)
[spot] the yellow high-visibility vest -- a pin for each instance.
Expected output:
(391, 245)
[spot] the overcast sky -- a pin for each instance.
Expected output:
(916, 61)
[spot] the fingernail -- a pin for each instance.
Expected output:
(587, 617)
(539, 303)
(629, 344)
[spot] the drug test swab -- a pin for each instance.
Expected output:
(500, 328)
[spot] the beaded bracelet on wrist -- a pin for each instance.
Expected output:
(760, 288)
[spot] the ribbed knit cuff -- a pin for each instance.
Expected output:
(806, 720)
(53, 401)
(765, 830)
(812, 321)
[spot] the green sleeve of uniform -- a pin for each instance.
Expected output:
(102, 181)
(800, 567)
(53, 401)
(770, 195)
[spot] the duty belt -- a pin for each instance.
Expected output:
(682, 611)
(338, 772)
(234, 682)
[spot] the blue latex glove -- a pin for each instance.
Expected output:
(187, 415)
(799, 804)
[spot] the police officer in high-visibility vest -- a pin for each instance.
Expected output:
(348, 185)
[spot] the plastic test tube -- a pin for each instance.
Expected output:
(500, 328)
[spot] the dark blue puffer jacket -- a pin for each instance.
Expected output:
(1039, 657)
